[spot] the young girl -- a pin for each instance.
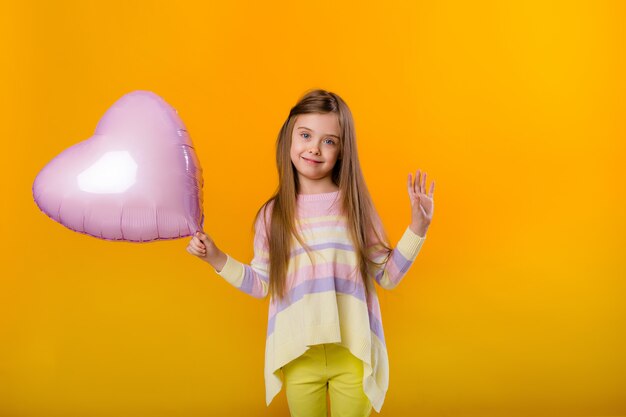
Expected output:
(318, 246)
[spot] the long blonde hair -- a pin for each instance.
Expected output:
(356, 202)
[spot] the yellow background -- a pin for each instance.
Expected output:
(515, 304)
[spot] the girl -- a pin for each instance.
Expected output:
(324, 331)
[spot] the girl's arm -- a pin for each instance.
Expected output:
(401, 258)
(405, 252)
(253, 279)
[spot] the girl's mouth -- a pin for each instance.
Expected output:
(308, 161)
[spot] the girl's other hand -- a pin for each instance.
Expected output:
(202, 246)
(422, 204)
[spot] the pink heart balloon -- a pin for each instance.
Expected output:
(136, 179)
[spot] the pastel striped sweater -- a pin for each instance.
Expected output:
(326, 304)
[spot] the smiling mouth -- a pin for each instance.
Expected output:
(310, 160)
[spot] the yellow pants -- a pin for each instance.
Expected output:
(326, 367)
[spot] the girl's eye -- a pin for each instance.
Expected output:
(331, 141)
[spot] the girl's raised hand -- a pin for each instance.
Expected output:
(422, 204)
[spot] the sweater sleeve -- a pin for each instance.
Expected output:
(401, 258)
(253, 279)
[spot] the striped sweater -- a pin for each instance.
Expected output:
(326, 301)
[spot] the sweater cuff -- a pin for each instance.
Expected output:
(232, 271)
(410, 243)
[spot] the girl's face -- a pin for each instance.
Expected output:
(315, 147)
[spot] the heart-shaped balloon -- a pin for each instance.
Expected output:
(136, 179)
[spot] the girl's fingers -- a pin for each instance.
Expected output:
(197, 242)
(418, 187)
(194, 251)
(418, 182)
(197, 246)
(201, 236)
(421, 185)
